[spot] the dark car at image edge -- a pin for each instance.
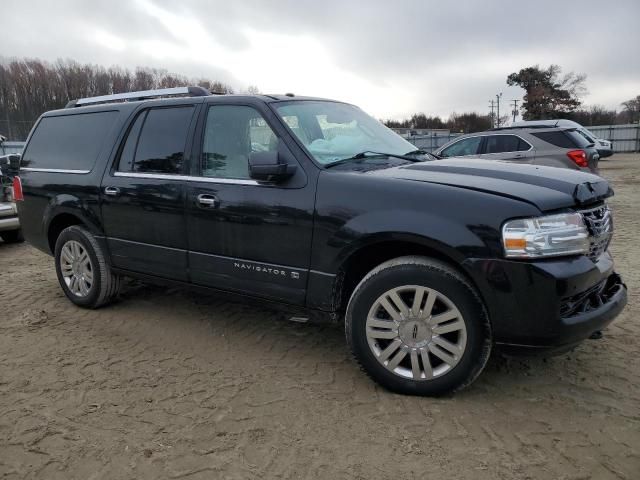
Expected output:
(315, 207)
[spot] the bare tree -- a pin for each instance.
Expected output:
(632, 109)
(30, 87)
(468, 122)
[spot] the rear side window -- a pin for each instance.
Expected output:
(156, 141)
(505, 143)
(129, 150)
(580, 140)
(562, 138)
(68, 142)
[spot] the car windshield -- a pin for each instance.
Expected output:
(333, 131)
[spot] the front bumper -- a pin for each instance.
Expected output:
(604, 152)
(548, 304)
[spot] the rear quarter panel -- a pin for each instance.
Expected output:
(48, 194)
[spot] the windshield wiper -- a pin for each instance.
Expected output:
(422, 152)
(370, 153)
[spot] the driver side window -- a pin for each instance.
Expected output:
(231, 133)
(467, 146)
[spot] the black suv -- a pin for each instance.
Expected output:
(316, 206)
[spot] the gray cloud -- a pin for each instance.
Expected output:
(442, 56)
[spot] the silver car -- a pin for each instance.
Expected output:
(604, 147)
(539, 145)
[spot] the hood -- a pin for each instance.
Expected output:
(547, 188)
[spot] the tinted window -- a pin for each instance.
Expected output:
(563, 139)
(468, 146)
(586, 134)
(505, 143)
(162, 140)
(231, 133)
(70, 142)
(129, 149)
(580, 141)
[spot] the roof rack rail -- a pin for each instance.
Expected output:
(518, 127)
(142, 95)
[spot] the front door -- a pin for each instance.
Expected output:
(143, 194)
(246, 236)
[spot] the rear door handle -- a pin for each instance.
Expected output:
(208, 201)
(112, 191)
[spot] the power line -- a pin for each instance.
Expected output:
(498, 97)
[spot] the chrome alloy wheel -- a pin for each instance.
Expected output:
(76, 268)
(416, 332)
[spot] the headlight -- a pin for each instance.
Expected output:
(549, 236)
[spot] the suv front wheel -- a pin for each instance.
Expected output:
(417, 326)
(83, 273)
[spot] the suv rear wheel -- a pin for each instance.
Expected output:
(417, 326)
(83, 273)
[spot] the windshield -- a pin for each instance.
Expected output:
(334, 131)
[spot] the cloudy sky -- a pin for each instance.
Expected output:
(391, 58)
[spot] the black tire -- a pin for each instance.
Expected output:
(105, 285)
(430, 273)
(12, 236)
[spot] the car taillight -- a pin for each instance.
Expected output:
(579, 157)
(17, 189)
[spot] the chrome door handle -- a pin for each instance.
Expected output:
(209, 201)
(112, 191)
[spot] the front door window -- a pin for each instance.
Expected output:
(231, 133)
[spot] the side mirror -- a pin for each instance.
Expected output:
(269, 167)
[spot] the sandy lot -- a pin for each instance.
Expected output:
(170, 384)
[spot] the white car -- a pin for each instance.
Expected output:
(604, 147)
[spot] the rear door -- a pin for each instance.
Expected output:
(507, 147)
(143, 194)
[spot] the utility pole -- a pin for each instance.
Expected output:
(515, 109)
(498, 96)
(492, 105)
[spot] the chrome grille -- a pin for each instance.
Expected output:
(600, 225)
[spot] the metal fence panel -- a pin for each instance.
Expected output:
(430, 143)
(625, 138)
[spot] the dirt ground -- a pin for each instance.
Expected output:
(171, 384)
